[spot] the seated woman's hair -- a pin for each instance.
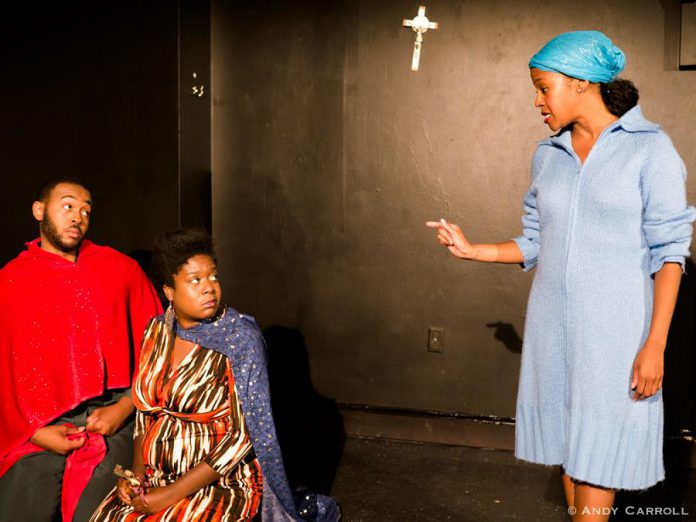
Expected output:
(619, 96)
(173, 249)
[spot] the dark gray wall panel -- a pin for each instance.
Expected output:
(329, 155)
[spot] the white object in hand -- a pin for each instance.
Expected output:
(127, 474)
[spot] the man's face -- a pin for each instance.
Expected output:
(64, 216)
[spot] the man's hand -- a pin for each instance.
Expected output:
(55, 438)
(109, 419)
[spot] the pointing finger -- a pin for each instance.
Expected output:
(445, 239)
(447, 226)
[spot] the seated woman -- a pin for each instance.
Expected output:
(205, 443)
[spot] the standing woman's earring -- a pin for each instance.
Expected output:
(169, 317)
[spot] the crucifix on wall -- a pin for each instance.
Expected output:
(420, 24)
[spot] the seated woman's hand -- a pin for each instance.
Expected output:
(125, 491)
(155, 500)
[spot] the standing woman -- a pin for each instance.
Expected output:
(608, 228)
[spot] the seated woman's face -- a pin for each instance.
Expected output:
(196, 294)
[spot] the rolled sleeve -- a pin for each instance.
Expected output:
(667, 220)
(229, 452)
(528, 242)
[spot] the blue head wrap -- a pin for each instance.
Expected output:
(587, 55)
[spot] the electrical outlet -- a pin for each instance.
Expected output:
(436, 339)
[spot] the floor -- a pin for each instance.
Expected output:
(379, 480)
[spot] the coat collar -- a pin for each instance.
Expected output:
(633, 121)
(34, 250)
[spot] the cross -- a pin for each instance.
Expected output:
(419, 24)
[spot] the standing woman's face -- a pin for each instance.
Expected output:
(556, 96)
(196, 294)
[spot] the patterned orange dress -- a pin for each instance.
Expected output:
(189, 415)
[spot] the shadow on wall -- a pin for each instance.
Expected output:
(506, 334)
(309, 426)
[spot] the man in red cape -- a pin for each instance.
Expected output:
(72, 315)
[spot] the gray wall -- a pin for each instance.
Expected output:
(329, 155)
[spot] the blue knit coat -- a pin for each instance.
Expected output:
(596, 233)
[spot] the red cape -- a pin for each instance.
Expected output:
(68, 332)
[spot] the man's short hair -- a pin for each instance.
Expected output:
(49, 184)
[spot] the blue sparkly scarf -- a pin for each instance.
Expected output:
(587, 55)
(238, 337)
